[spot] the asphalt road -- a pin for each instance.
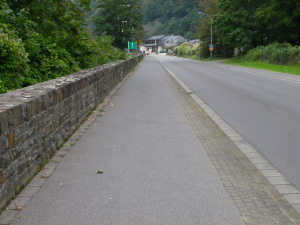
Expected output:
(264, 107)
(156, 171)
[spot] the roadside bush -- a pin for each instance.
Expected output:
(106, 52)
(13, 60)
(275, 53)
(203, 50)
(185, 50)
(36, 47)
(47, 60)
(13, 56)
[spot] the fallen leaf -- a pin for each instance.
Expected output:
(100, 171)
(244, 219)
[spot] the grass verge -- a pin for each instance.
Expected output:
(291, 69)
(195, 57)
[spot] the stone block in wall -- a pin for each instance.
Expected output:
(3, 122)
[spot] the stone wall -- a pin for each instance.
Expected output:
(35, 121)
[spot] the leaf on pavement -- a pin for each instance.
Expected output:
(100, 171)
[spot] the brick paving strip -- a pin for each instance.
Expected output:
(260, 192)
(13, 210)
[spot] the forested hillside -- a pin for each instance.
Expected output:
(171, 17)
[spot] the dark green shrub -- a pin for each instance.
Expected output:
(47, 60)
(104, 51)
(204, 50)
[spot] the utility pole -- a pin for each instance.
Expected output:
(211, 38)
(211, 33)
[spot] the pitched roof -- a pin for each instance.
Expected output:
(171, 38)
(156, 37)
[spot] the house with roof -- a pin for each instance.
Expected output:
(162, 42)
(170, 41)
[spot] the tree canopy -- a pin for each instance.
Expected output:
(121, 19)
(248, 24)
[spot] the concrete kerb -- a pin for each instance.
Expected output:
(13, 210)
(285, 188)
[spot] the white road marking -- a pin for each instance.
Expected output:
(288, 190)
(263, 74)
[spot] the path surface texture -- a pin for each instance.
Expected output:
(165, 163)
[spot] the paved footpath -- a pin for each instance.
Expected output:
(156, 171)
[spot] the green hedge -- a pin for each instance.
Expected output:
(185, 50)
(275, 54)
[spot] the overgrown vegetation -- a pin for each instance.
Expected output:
(42, 40)
(275, 53)
(186, 50)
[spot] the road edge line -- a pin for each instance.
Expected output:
(262, 74)
(281, 184)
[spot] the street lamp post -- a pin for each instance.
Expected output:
(211, 31)
(211, 39)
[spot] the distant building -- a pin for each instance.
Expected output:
(162, 42)
(170, 41)
(195, 42)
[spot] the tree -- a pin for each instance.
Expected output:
(45, 39)
(210, 8)
(121, 19)
(237, 25)
(247, 24)
(281, 20)
(13, 57)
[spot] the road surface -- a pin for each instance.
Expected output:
(262, 106)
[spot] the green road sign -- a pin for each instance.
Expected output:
(132, 45)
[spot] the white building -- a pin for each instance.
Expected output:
(162, 42)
